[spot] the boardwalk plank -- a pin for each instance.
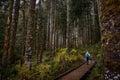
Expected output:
(78, 73)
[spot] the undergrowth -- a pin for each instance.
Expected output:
(97, 54)
(63, 61)
(51, 67)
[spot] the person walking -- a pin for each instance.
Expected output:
(87, 56)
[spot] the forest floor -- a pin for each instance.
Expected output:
(78, 73)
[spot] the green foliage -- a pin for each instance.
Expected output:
(51, 67)
(9, 73)
(78, 7)
(94, 50)
(23, 72)
(63, 56)
(97, 72)
(43, 69)
(61, 62)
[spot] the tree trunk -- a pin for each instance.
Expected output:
(23, 34)
(5, 65)
(110, 32)
(51, 25)
(38, 30)
(29, 39)
(48, 33)
(14, 30)
(54, 30)
(7, 32)
(38, 39)
(96, 28)
(68, 22)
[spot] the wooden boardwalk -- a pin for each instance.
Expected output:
(78, 73)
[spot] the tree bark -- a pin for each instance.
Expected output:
(48, 33)
(29, 38)
(51, 27)
(11, 59)
(54, 30)
(23, 33)
(38, 39)
(7, 32)
(110, 33)
(68, 20)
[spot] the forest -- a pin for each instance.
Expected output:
(42, 39)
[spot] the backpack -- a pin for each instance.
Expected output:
(87, 55)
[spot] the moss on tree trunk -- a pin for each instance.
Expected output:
(110, 31)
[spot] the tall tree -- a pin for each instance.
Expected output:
(3, 17)
(110, 32)
(55, 27)
(51, 24)
(96, 27)
(7, 32)
(29, 38)
(38, 31)
(14, 30)
(23, 32)
(68, 23)
(4, 73)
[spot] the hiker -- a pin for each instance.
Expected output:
(87, 56)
